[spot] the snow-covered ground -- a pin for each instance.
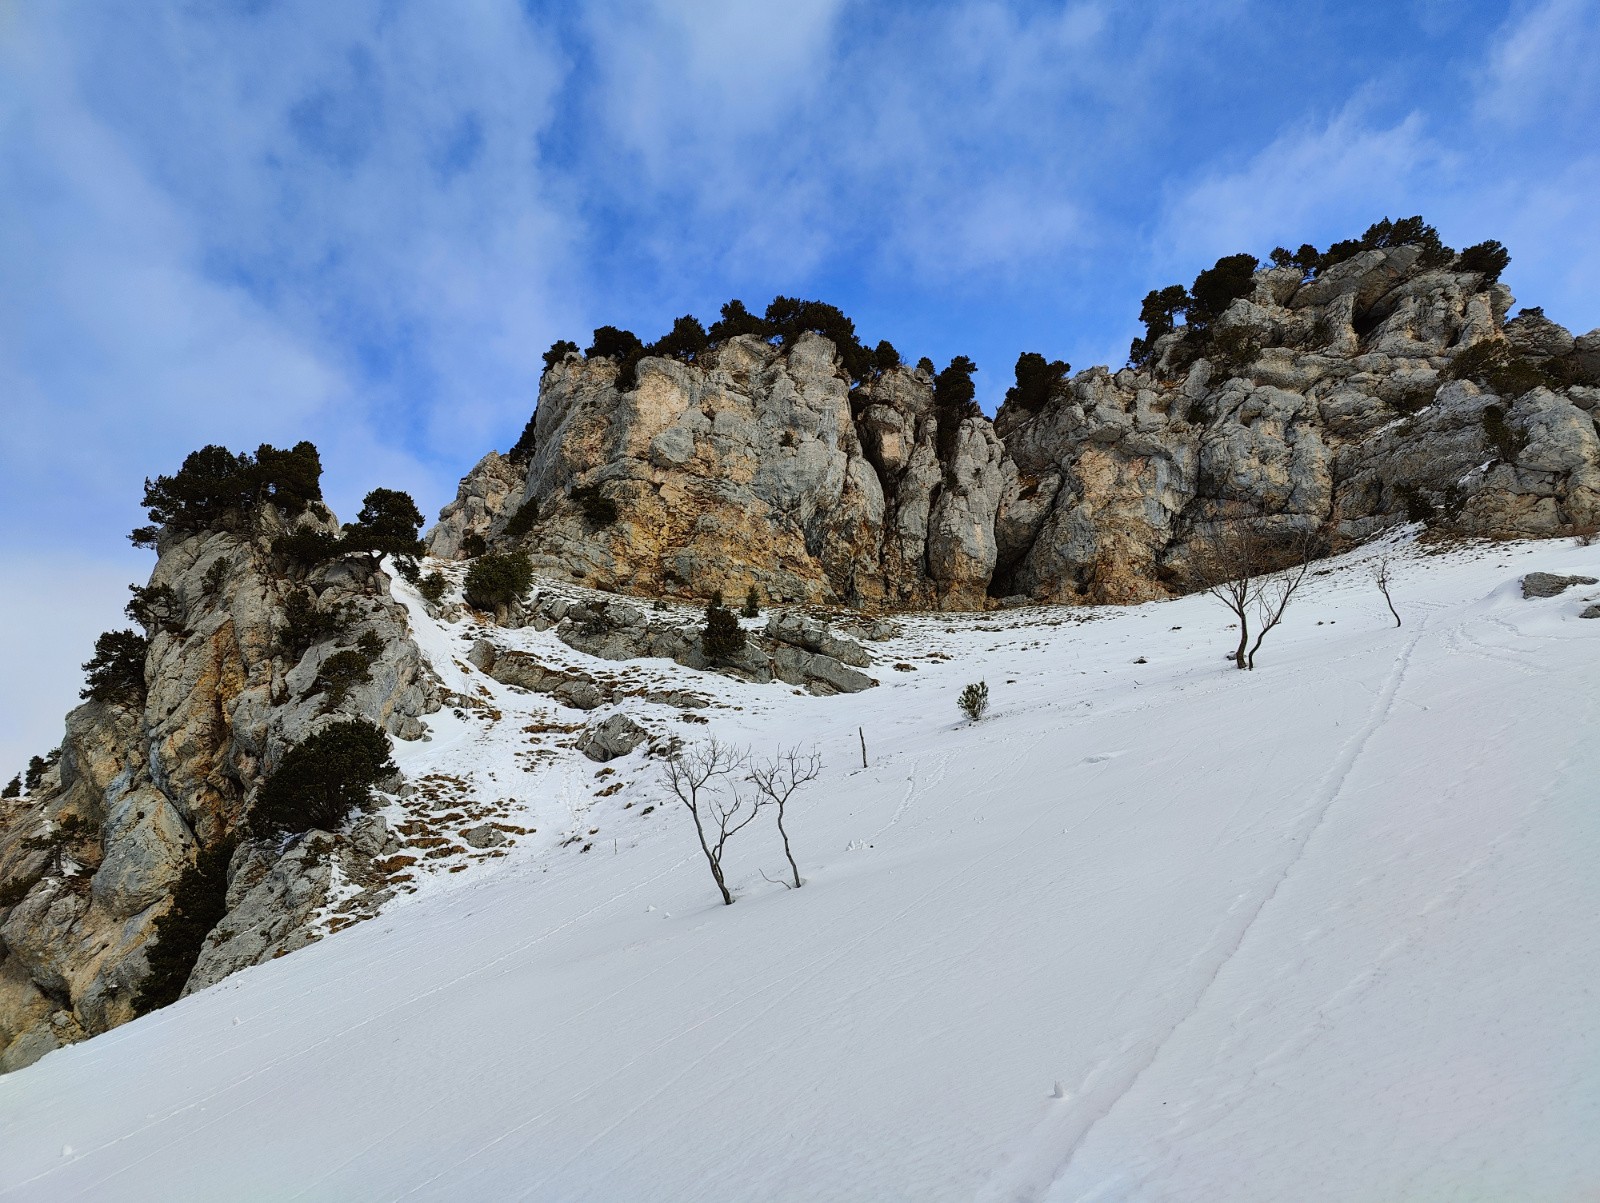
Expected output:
(1154, 929)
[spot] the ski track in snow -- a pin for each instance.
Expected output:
(1104, 884)
(1047, 1152)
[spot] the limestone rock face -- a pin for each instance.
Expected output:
(755, 466)
(481, 500)
(1320, 406)
(90, 860)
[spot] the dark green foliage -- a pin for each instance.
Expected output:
(1218, 286)
(308, 624)
(790, 317)
(474, 544)
(612, 343)
(144, 536)
(1235, 348)
(1385, 234)
(722, 638)
(388, 524)
(369, 645)
(737, 320)
(925, 366)
(199, 900)
(1039, 381)
(1498, 433)
(953, 403)
(558, 351)
(1488, 257)
(684, 342)
(307, 547)
(155, 608)
(621, 345)
(752, 603)
(1415, 400)
(497, 580)
(215, 579)
(1159, 313)
(785, 320)
(38, 766)
(116, 671)
(323, 779)
(527, 443)
(1418, 507)
(13, 788)
(408, 569)
(974, 700)
(1494, 364)
(340, 673)
(522, 521)
(1306, 259)
(432, 586)
(216, 486)
(598, 509)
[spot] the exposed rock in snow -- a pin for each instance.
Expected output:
(615, 736)
(1548, 584)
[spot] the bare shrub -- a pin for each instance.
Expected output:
(777, 780)
(1255, 573)
(1383, 577)
(704, 778)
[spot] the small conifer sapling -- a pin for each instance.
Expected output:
(974, 700)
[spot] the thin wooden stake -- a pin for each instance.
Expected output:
(863, 735)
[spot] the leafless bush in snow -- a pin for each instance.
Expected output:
(777, 780)
(704, 776)
(1255, 573)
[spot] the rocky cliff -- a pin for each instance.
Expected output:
(1331, 398)
(1325, 405)
(144, 786)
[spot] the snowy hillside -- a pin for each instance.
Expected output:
(1155, 929)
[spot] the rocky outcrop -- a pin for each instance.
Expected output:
(794, 648)
(757, 466)
(1549, 584)
(1319, 406)
(234, 678)
(614, 736)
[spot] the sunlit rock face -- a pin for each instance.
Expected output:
(1317, 406)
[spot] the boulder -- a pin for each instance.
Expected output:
(1548, 584)
(615, 736)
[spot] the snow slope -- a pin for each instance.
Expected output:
(1153, 930)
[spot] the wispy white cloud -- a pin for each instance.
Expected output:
(1334, 175)
(1541, 69)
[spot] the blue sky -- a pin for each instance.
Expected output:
(363, 222)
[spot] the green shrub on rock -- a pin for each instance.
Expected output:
(323, 779)
(388, 524)
(598, 509)
(116, 671)
(199, 900)
(1039, 381)
(497, 580)
(722, 638)
(432, 586)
